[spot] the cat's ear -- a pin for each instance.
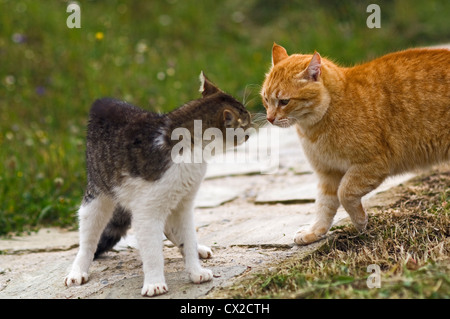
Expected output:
(313, 70)
(206, 87)
(278, 54)
(229, 118)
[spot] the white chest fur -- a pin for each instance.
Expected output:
(179, 181)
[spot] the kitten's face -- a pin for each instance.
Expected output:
(293, 92)
(230, 115)
(236, 120)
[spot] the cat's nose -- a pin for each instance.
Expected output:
(271, 119)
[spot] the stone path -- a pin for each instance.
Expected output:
(248, 219)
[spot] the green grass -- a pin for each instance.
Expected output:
(151, 54)
(409, 241)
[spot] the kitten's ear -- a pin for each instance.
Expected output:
(313, 70)
(229, 118)
(206, 87)
(278, 53)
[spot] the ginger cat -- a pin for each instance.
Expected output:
(361, 124)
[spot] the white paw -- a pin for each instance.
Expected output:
(76, 278)
(204, 252)
(202, 275)
(150, 290)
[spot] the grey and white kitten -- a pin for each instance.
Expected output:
(132, 180)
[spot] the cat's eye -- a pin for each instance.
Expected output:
(283, 102)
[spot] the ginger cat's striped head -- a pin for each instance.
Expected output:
(293, 91)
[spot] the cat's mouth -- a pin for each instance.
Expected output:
(283, 122)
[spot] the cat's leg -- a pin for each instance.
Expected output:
(93, 216)
(180, 229)
(358, 181)
(172, 233)
(326, 206)
(148, 222)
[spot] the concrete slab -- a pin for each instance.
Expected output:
(288, 195)
(213, 196)
(179, 285)
(46, 239)
(256, 226)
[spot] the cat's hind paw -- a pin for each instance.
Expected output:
(150, 290)
(203, 275)
(361, 224)
(204, 252)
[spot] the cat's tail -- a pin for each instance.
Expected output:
(116, 228)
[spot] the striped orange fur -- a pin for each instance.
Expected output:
(358, 125)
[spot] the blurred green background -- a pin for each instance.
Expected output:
(150, 53)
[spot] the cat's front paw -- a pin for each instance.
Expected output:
(202, 275)
(76, 278)
(306, 237)
(150, 290)
(204, 252)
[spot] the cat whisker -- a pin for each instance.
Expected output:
(259, 117)
(248, 91)
(259, 120)
(257, 86)
(244, 99)
(247, 102)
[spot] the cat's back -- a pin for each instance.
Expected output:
(398, 106)
(117, 112)
(124, 140)
(110, 118)
(422, 73)
(411, 86)
(426, 58)
(418, 59)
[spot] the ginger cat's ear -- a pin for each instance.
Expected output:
(278, 53)
(206, 86)
(313, 70)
